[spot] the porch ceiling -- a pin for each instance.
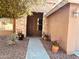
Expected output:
(49, 4)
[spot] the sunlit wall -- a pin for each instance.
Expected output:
(6, 24)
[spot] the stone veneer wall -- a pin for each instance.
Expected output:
(21, 25)
(44, 30)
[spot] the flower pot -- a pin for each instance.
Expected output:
(55, 49)
(20, 36)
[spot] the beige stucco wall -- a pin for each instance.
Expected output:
(65, 24)
(57, 25)
(73, 30)
(21, 25)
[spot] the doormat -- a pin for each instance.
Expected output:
(76, 53)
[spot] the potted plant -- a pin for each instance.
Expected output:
(55, 46)
(45, 36)
(20, 35)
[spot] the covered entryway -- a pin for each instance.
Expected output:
(34, 24)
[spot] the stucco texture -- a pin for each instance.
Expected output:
(57, 25)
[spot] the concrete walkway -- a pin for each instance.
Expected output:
(36, 50)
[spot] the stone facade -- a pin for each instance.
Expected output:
(21, 25)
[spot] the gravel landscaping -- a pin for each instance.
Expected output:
(60, 55)
(17, 51)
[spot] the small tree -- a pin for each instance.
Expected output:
(17, 8)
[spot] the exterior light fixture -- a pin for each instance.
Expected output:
(76, 12)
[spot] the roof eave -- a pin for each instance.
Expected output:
(56, 7)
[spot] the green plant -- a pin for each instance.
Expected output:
(12, 39)
(55, 43)
(17, 8)
(56, 40)
(55, 47)
(46, 37)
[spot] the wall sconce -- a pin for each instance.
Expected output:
(76, 12)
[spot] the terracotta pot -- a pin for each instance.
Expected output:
(55, 49)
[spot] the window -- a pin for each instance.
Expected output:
(39, 23)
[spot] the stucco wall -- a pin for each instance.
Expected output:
(57, 25)
(65, 24)
(73, 30)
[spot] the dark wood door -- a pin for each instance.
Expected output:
(32, 25)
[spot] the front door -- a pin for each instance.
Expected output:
(34, 28)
